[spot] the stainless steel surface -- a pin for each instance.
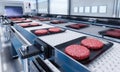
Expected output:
(7, 64)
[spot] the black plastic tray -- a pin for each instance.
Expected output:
(49, 33)
(32, 26)
(103, 33)
(93, 53)
(77, 28)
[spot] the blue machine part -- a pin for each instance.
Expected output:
(68, 64)
(29, 36)
(16, 44)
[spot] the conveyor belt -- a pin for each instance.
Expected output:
(92, 29)
(107, 62)
(59, 38)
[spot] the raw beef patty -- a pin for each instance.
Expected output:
(92, 43)
(77, 52)
(41, 32)
(113, 34)
(54, 30)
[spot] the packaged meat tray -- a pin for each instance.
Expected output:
(48, 31)
(77, 26)
(58, 21)
(26, 25)
(88, 54)
(114, 33)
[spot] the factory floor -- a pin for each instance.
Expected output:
(7, 63)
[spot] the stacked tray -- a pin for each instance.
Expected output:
(114, 33)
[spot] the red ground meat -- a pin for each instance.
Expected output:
(17, 19)
(27, 21)
(41, 32)
(113, 34)
(21, 19)
(13, 19)
(25, 24)
(77, 52)
(77, 26)
(118, 30)
(54, 30)
(55, 21)
(61, 22)
(34, 24)
(92, 43)
(82, 25)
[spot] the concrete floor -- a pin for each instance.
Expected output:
(7, 64)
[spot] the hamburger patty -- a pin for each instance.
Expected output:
(41, 32)
(77, 52)
(77, 26)
(113, 34)
(24, 25)
(34, 24)
(92, 43)
(54, 30)
(28, 24)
